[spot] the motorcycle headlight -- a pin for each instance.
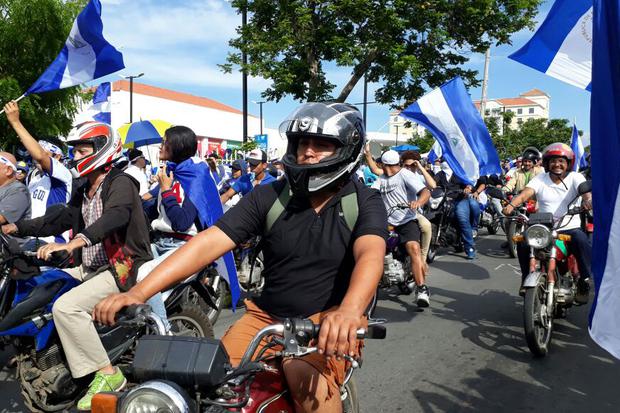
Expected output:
(434, 202)
(538, 236)
(156, 397)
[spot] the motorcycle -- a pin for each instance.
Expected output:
(488, 219)
(26, 299)
(192, 375)
(396, 263)
(551, 286)
(250, 266)
(440, 212)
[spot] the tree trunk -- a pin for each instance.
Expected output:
(358, 72)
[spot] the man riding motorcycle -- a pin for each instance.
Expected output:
(315, 266)
(110, 244)
(258, 175)
(554, 190)
(526, 173)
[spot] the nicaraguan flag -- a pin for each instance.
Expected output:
(605, 144)
(450, 115)
(434, 153)
(562, 46)
(580, 153)
(101, 104)
(85, 57)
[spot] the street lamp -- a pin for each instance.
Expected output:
(244, 58)
(131, 78)
(260, 104)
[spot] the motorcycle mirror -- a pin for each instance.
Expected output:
(584, 187)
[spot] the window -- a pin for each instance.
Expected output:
(519, 111)
(508, 110)
(531, 111)
(520, 121)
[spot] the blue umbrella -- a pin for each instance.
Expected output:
(405, 147)
(145, 132)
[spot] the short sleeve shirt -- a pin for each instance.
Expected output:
(556, 198)
(140, 176)
(245, 184)
(14, 202)
(400, 188)
(49, 188)
(308, 256)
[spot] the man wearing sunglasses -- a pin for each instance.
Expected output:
(257, 159)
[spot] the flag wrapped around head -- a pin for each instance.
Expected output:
(196, 181)
(86, 55)
(605, 146)
(580, 153)
(562, 46)
(450, 115)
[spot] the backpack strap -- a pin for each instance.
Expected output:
(350, 209)
(277, 208)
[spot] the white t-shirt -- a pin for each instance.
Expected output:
(556, 198)
(400, 188)
(49, 188)
(140, 176)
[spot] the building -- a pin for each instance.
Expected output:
(402, 129)
(218, 126)
(533, 104)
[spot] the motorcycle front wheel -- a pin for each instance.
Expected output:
(350, 402)
(190, 321)
(536, 322)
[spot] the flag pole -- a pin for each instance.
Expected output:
(16, 100)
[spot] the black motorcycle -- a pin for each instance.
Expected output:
(440, 212)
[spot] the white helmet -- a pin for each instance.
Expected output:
(106, 144)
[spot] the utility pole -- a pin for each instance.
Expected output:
(244, 57)
(396, 135)
(485, 82)
(365, 99)
(131, 78)
(260, 105)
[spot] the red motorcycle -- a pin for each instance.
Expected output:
(186, 374)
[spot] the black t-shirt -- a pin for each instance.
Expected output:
(308, 256)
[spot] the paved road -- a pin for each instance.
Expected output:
(467, 352)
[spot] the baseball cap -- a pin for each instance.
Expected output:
(22, 166)
(134, 154)
(390, 158)
(236, 165)
(257, 156)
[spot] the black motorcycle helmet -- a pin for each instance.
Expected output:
(532, 154)
(339, 123)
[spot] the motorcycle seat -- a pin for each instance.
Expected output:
(37, 299)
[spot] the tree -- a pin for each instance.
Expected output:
(32, 33)
(407, 46)
(535, 132)
(424, 142)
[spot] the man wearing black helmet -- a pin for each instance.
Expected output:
(320, 262)
(526, 173)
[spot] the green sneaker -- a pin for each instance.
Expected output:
(102, 382)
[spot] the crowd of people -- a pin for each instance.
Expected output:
(132, 234)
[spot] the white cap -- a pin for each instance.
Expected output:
(390, 158)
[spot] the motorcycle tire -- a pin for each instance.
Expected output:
(432, 253)
(514, 228)
(493, 228)
(350, 401)
(221, 293)
(190, 321)
(537, 336)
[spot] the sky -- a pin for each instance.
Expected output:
(178, 45)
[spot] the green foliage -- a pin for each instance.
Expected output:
(425, 143)
(406, 46)
(248, 146)
(535, 132)
(32, 33)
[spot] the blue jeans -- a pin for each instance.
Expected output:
(467, 215)
(160, 247)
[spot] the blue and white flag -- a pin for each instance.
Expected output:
(450, 115)
(562, 46)
(605, 144)
(580, 153)
(85, 57)
(101, 104)
(435, 152)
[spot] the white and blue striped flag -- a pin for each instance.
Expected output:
(580, 153)
(562, 46)
(435, 152)
(605, 144)
(101, 103)
(86, 55)
(450, 115)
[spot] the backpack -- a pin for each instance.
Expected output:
(348, 203)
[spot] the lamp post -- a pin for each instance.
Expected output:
(244, 58)
(396, 135)
(260, 105)
(131, 78)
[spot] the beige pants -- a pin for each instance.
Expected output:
(72, 316)
(427, 232)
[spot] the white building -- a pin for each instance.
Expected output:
(217, 126)
(533, 104)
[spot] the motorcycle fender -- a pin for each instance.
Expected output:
(532, 279)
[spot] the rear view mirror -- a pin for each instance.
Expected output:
(585, 187)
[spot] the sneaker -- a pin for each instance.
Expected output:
(422, 296)
(583, 291)
(471, 254)
(102, 382)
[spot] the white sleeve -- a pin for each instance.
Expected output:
(60, 172)
(413, 182)
(536, 183)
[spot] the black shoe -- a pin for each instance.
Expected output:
(583, 291)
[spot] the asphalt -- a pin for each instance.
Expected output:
(466, 352)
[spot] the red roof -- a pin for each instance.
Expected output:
(161, 93)
(516, 102)
(534, 92)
